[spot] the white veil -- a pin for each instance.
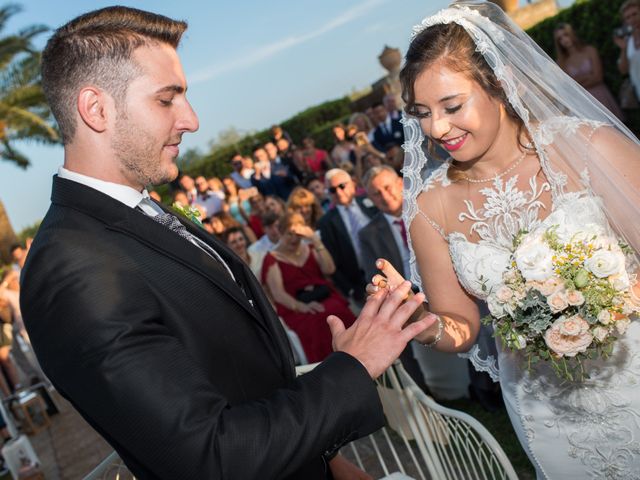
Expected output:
(590, 147)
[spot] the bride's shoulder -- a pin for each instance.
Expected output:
(547, 130)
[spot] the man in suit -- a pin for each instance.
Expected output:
(339, 229)
(388, 132)
(157, 333)
(386, 237)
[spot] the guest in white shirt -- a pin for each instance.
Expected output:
(207, 198)
(266, 243)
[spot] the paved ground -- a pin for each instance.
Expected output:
(69, 448)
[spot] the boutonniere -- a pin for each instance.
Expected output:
(188, 212)
(367, 203)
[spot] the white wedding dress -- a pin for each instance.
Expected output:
(569, 430)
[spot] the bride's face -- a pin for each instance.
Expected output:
(456, 113)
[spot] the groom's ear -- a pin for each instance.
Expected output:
(94, 106)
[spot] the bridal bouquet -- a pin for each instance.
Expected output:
(565, 297)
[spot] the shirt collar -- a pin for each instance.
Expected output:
(391, 218)
(123, 193)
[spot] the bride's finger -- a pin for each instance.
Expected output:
(389, 272)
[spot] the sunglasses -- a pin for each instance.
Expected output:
(340, 186)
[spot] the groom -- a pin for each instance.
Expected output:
(158, 334)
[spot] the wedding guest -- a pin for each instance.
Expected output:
(237, 200)
(18, 255)
(343, 148)
(295, 274)
(362, 122)
(266, 243)
(6, 341)
(211, 202)
(188, 186)
(217, 187)
(278, 133)
(388, 132)
(386, 237)
(582, 62)
(276, 205)
(235, 239)
(316, 158)
(226, 220)
(629, 44)
(270, 178)
(315, 186)
(391, 105)
(339, 229)
(257, 210)
(367, 161)
(306, 204)
(242, 171)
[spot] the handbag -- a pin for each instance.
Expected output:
(313, 293)
(627, 95)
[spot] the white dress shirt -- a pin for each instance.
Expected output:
(257, 251)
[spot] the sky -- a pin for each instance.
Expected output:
(249, 64)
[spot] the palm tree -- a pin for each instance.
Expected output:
(24, 113)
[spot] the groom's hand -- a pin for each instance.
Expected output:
(377, 337)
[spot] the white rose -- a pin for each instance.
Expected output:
(496, 308)
(504, 294)
(558, 302)
(604, 317)
(620, 281)
(570, 233)
(622, 325)
(604, 263)
(600, 333)
(534, 259)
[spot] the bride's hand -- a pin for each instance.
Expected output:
(390, 277)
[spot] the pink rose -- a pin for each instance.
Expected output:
(550, 286)
(557, 302)
(572, 344)
(504, 294)
(574, 297)
(600, 333)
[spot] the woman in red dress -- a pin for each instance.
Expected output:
(294, 273)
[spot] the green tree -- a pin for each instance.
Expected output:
(24, 113)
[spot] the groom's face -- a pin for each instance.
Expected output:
(151, 120)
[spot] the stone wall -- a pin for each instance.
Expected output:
(528, 15)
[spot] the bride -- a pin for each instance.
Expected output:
(525, 142)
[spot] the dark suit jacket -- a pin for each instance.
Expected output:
(336, 238)
(163, 354)
(382, 139)
(377, 241)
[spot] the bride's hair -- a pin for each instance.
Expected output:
(450, 44)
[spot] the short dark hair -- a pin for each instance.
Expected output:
(269, 219)
(15, 247)
(96, 48)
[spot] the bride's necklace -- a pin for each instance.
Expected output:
(513, 165)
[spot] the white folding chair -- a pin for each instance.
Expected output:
(111, 468)
(453, 444)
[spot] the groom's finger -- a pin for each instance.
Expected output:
(404, 312)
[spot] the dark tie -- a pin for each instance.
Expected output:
(172, 223)
(403, 231)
